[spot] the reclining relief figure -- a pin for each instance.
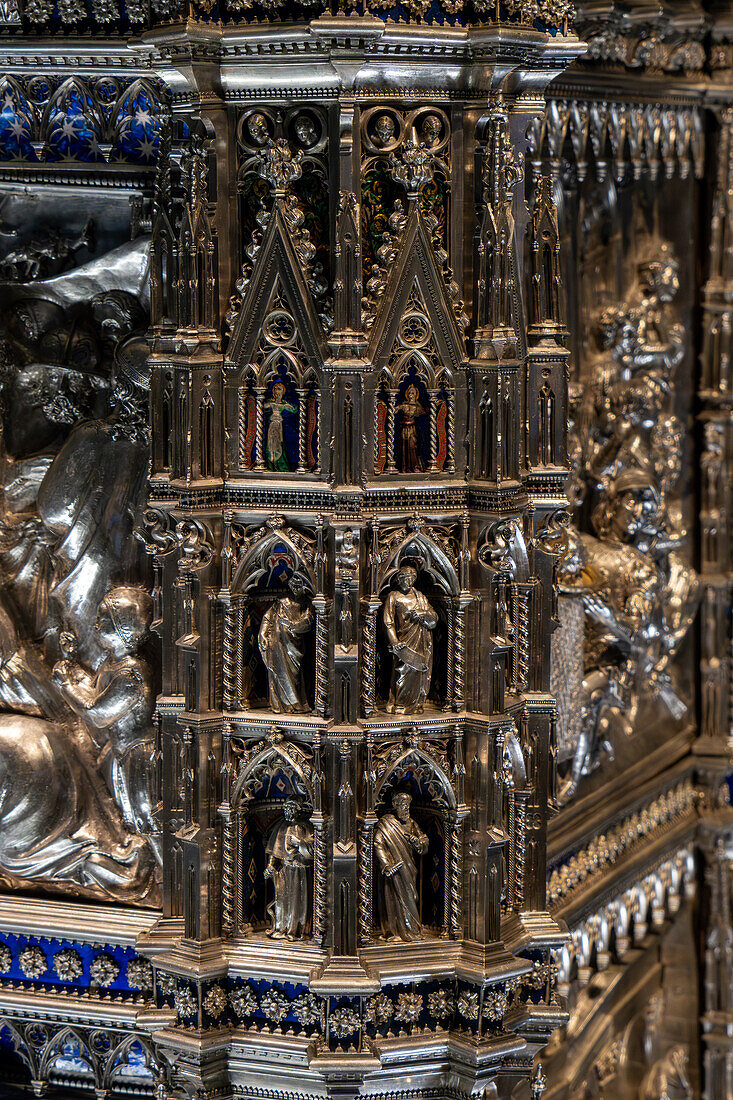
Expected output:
(76, 739)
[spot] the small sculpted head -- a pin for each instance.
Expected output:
(384, 129)
(401, 805)
(305, 131)
(123, 619)
(257, 128)
(406, 578)
(431, 131)
(297, 586)
(291, 810)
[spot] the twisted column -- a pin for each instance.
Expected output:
(302, 417)
(228, 657)
(522, 670)
(365, 882)
(260, 431)
(242, 703)
(459, 659)
(390, 467)
(456, 879)
(369, 667)
(319, 881)
(227, 876)
(433, 398)
(319, 604)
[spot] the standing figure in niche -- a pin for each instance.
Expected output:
(398, 843)
(409, 620)
(290, 854)
(281, 638)
(277, 459)
(411, 410)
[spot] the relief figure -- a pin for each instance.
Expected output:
(290, 856)
(76, 800)
(398, 843)
(409, 450)
(409, 620)
(281, 640)
(628, 572)
(115, 702)
(277, 458)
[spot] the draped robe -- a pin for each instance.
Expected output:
(413, 666)
(281, 645)
(290, 847)
(397, 844)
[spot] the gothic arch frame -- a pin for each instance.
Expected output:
(435, 562)
(236, 814)
(451, 819)
(276, 266)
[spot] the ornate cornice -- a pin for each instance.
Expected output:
(634, 832)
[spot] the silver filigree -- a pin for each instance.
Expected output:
(344, 1022)
(275, 1005)
(68, 965)
(215, 1001)
(408, 1008)
(440, 1004)
(468, 1004)
(307, 1009)
(186, 1002)
(243, 1001)
(379, 1009)
(32, 962)
(139, 974)
(103, 970)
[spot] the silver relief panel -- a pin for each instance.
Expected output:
(77, 684)
(627, 590)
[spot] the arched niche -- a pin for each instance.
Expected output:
(437, 580)
(261, 578)
(414, 417)
(415, 771)
(265, 778)
(278, 415)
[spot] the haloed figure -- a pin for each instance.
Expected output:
(409, 620)
(398, 843)
(290, 854)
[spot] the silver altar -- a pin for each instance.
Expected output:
(365, 569)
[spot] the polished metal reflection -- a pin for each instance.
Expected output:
(281, 641)
(637, 590)
(290, 857)
(409, 620)
(398, 843)
(78, 810)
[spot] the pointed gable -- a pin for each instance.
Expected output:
(277, 274)
(416, 274)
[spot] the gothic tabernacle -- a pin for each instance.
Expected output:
(365, 567)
